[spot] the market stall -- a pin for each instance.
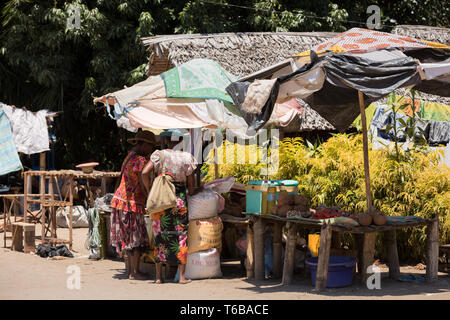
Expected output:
(338, 79)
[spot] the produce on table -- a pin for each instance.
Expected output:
(364, 219)
(273, 210)
(300, 200)
(284, 199)
(282, 211)
(378, 217)
(324, 212)
(289, 205)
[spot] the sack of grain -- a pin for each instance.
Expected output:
(204, 234)
(203, 265)
(203, 205)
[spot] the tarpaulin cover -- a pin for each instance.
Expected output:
(239, 90)
(198, 78)
(145, 105)
(338, 102)
(9, 158)
(357, 40)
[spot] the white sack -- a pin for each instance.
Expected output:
(80, 217)
(203, 265)
(203, 205)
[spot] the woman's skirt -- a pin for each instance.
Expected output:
(128, 231)
(170, 231)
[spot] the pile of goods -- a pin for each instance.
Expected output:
(289, 204)
(324, 212)
(234, 204)
(205, 230)
(372, 217)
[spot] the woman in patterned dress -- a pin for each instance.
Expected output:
(128, 228)
(170, 226)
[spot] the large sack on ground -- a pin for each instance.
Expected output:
(204, 234)
(203, 205)
(203, 265)
(80, 217)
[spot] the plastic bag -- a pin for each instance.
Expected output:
(104, 203)
(80, 217)
(221, 185)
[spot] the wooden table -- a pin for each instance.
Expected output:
(365, 237)
(48, 201)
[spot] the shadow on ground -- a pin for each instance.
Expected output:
(389, 287)
(302, 284)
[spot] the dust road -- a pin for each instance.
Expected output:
(27, 276)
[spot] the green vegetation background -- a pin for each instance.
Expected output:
(45, 65)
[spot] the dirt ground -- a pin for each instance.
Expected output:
(28, 276)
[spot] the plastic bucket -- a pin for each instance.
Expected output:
(340, 271)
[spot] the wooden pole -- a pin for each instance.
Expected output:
(103, 187)
(250, 263)
(216, 164)
(71, 210)
(324, 257)
(392, 254)
(25, 196)
(277, 250)
(366, 255)
(52, 209)
(42, 201)
(5, 222)
(258, 232)
(433, 249)
(365, 150)
(42, 164)
(289, 254)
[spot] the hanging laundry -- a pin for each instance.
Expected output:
(9, 158)
(439, 132)
(29, 129)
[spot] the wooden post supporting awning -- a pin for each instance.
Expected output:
(365, 150)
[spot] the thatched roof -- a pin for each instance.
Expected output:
(239, 53)
(309, 120)
(436, 34)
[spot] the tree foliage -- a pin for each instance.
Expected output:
(45, 64)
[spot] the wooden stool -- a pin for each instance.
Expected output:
(18, 243)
